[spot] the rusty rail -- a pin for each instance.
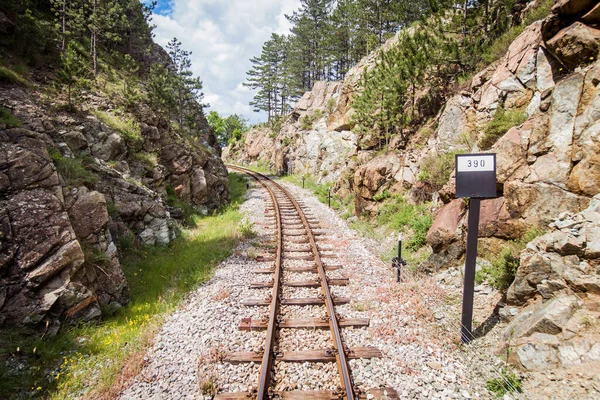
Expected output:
(268, 356)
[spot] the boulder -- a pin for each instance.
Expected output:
(89, 214)
(573, 8)
(445, 227)
(575, 45)
(76, 141)
(593, 16)
(111, 148)
(549, 318)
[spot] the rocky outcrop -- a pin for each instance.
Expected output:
(559, 276)
(73, 189)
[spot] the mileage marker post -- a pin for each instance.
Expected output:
(475, 179)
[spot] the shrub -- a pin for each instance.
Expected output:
(503, 120)
(73, 170)
(501, 270)
(507, 382)
(413, 219)
(127, 128)
(6, 117)
(247, 228)
(436, 169)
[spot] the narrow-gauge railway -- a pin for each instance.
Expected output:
(294, 227)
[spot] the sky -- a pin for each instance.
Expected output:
(222, 35)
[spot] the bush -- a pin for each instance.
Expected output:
(500, 273)
(247, 228)
(436, 169)
(412, 219)
(6, 117)
(73, 170)
(507, 382)
(127, 128)
(503, 120)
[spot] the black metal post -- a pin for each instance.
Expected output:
(467, 308)
(398, 262)
(303, 181)
(329, 197)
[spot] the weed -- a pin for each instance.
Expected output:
(503, 120)
(127, 128)
(382, 196)
(208, 385)
(436, 169)
(307, 121)
(330, 106)
(507, 382)
(113, 210)
(7, 118)
(148, 160)
(247, 228)
(501, 270)
(361, 305)
(72, 170)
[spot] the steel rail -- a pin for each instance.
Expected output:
(267, 359)
(341, 359)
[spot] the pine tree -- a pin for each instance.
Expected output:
(73, 68)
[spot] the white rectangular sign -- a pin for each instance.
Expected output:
(475, 163)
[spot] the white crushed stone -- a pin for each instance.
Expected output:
(420, 358)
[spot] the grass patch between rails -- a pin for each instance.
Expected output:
(95, 360)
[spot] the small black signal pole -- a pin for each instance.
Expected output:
(398, 262)
(329, 197)
(303, 178)
(475, 179)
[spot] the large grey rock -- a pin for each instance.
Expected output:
(89, 214)
(550, 318)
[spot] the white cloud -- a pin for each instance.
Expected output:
(223, 36)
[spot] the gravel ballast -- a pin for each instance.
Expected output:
(421, 355)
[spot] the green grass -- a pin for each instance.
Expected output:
(507, 382)
(7, 75)
(6, 117)
(73, 170)
(412, 219)
(500, 273)
(89, 359)
(436, 169)
(127, 128)
(503, 120)
(395, 215)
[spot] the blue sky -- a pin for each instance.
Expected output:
(223, 36)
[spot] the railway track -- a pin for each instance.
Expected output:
(296, 236)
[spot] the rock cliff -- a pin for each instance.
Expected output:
(74, 189)
(548, 172)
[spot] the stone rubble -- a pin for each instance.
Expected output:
(421, 358)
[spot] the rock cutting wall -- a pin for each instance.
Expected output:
(59, 236)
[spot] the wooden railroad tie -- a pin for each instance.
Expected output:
(298, 269)
(319, 356)
(377, 394)
(309, 283)
(301, 301)
(249, 324)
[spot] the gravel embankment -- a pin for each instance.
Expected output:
(409, 322)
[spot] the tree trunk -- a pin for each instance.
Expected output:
(94, 37)
(64, 26)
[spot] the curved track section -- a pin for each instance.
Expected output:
(287, 211)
